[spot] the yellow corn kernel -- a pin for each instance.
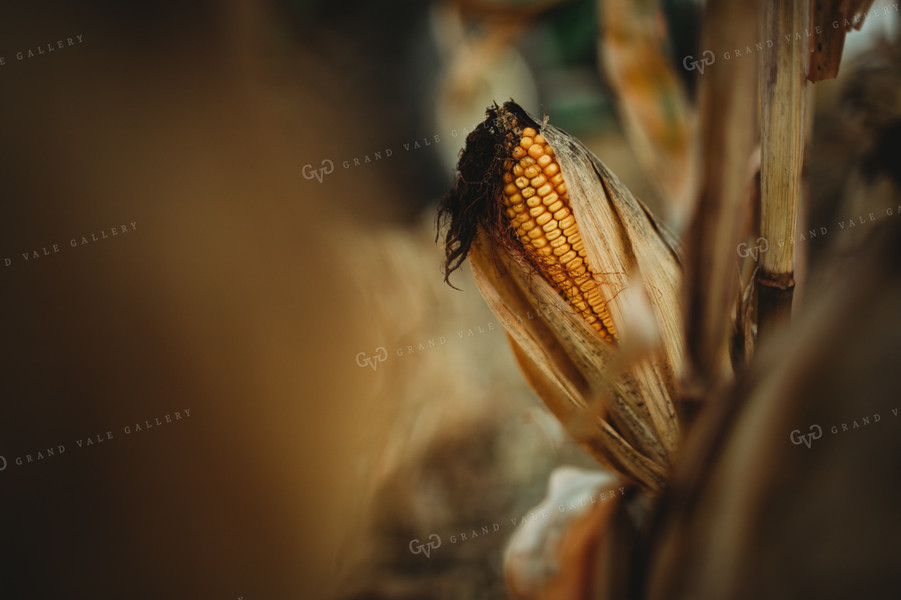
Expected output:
(531, 172)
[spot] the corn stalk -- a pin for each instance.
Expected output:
(783, 100)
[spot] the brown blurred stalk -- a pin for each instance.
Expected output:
(727, 132)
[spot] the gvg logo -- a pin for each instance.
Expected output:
(816, 432)
(381, 355)
(309, 172)
(690, 64)
(761, 246)
(417, 547)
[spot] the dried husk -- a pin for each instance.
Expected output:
(616, 400)
(573, 540)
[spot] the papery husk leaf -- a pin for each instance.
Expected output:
(594, 434)
(623, 240)
(532, 335)
(610, 420)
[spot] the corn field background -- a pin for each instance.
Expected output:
(231, 367)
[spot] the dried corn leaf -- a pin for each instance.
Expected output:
(832, 20)
(651, 100)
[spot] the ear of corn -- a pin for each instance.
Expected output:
(551, 232)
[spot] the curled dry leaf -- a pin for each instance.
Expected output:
(552, 554)
(552, 234)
